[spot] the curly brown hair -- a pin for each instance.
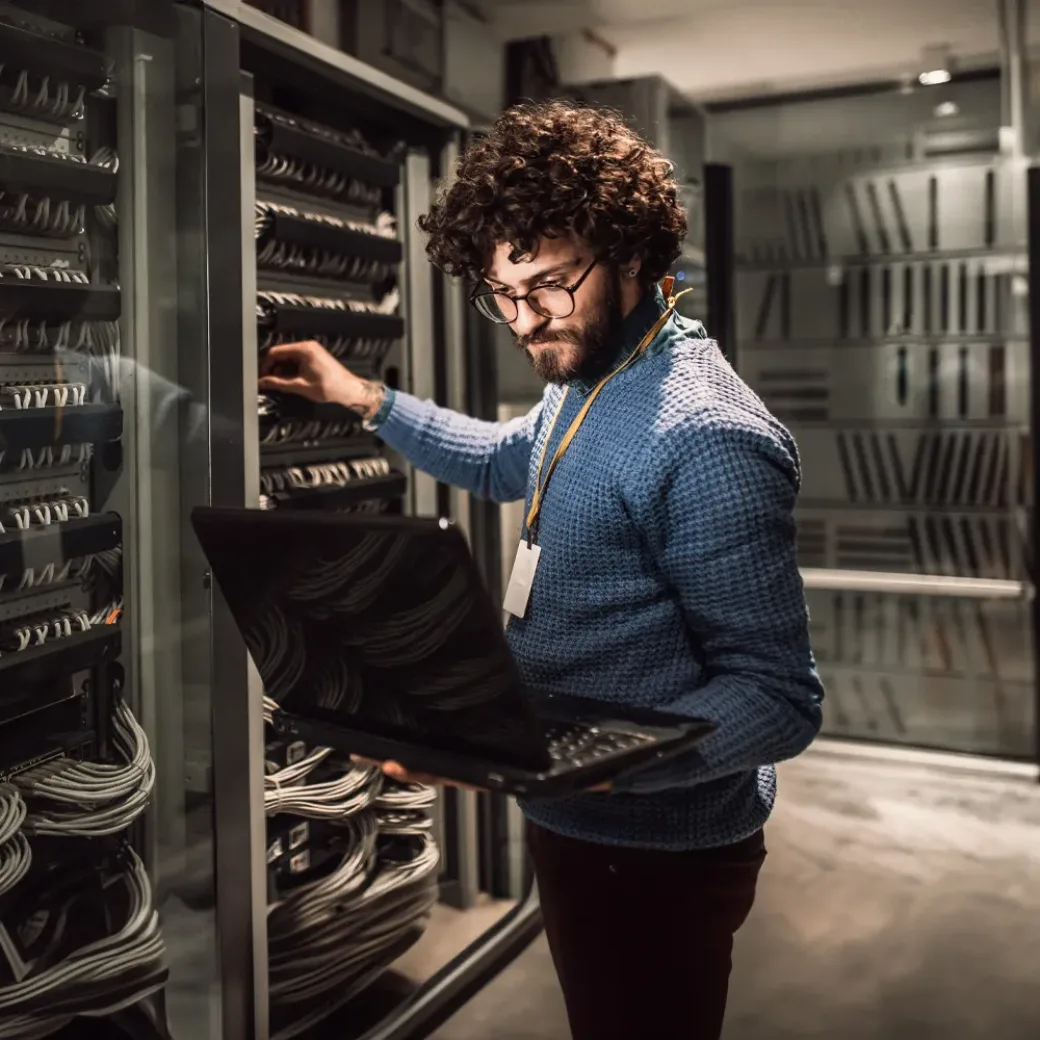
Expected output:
(552, 169)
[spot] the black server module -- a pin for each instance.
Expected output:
(78, 932)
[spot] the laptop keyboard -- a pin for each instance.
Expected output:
(580, 745)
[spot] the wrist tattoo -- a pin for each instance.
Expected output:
(372, 397)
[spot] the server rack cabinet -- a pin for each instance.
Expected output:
(317, 167)
(881, 313)
(98, 274)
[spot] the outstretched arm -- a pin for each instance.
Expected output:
(485, 458)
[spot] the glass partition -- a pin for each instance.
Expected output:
(881, 312)
(102, 282)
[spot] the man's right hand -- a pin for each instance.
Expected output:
(397, 772)
(309, 370)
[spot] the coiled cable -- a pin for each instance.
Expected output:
(92, 799)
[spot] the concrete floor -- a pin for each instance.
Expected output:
(898, 902)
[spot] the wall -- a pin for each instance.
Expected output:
(582, 59)
(323, 21)
(446, 49)
(687, 137)
(401, 37)
(474, 64)
(643, 102)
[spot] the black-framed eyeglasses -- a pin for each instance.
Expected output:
(549, 300)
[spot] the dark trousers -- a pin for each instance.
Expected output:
(642, 939)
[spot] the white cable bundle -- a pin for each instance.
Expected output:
(330, 938)
(15, 854)
(312, 903)
(107, 159)
(270, 707)
(401, 823)
(384, 225)
(99, 341)
(404, 809)
(332, 800)
(296, 772)
(338, 953)
(406, 796)
(286, 790)
(99, 971)
(92, 799)
(394, 876)
(387, 305)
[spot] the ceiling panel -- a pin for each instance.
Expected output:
(726, 48)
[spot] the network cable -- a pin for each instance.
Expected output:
(331, 800)
(15, 854)
(93, 980)
(92, 799)
(343, 945)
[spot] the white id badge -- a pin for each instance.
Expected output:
(522, 578)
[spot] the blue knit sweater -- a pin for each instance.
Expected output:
(667, 575)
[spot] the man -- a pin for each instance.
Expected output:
(662, 552)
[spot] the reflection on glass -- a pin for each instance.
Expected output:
(882, 315)
(105, 863)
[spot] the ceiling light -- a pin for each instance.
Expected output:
(936, 65)
(945, 109)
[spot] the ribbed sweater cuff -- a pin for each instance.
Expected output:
(384, 411)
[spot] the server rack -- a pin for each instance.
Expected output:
(316, 168)
(77, 323)
(128, 366)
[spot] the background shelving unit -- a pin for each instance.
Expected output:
(882, 314)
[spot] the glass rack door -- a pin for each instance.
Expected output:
(101, 283)
(881, 298)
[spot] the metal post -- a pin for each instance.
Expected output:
(455, 350)
(147, 484)
(1015, 136)
(419, 362)
(719, 255)
(461, 807)
(1033, 224)
(237, 720)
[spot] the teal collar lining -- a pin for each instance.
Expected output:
(628, 337)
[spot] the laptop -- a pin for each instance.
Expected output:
(377, 637)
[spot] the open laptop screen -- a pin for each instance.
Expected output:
(377, 624)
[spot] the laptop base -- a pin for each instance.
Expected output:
(551, 779)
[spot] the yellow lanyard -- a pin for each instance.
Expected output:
(540, 485)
